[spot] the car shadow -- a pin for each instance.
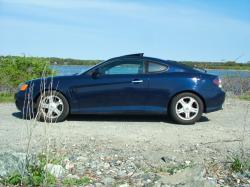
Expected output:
(115, 118)
(18, 115)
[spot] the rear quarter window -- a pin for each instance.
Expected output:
(153, 67)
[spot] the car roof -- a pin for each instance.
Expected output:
(141, 56)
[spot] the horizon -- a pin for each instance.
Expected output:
(247, 62)
(177, 30)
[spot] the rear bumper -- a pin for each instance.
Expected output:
(215, 102)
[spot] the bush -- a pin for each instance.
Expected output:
(15, 70)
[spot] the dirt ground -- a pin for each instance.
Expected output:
(216, 135)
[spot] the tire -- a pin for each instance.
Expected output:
(186, 108)
(52, 107)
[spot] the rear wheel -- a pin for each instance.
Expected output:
(186, 108)
(52, 107)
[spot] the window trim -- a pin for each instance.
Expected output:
(146, 62)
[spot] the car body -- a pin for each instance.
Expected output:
(130, 84)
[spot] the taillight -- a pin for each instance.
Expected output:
(218, 82)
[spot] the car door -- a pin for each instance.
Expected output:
(118, 86)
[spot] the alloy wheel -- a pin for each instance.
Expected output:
(187, 108)
(51, 106)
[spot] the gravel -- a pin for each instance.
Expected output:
(133, 150)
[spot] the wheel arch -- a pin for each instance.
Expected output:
(188, 91)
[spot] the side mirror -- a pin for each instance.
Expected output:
(96, 74)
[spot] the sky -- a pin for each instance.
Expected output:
(199, 30)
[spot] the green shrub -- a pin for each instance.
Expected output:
(15, 70)
(13, 179)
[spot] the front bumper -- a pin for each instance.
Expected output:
(23, 102)
(19, 100)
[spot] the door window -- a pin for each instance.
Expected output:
(122, 67)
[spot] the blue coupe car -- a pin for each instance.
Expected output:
(130, 84)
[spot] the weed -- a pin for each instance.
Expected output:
(13, 179)
(240, 165)
(236, 165)
(72, 182)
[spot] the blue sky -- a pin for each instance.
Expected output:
(201, 30)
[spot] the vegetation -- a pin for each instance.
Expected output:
(219, 65)
(15, 70)
(76, 182)
(69, 61)
(240, 165)
(54, 60)
(245, 96)
(6, 97)
(36, 176)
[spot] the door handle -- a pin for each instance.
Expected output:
(137, 81)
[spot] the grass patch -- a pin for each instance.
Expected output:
(245, 97)
(76, 182)
(240, 165)
(6, 98)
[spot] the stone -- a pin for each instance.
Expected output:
(70, 176)
(121, 174)
(82, 158)
(106, 165)
(118, 162)
(191, 176)
(98, 184)
(55, 170)
(124, 185)
(70, 167)
(98, 172)
(108, 181)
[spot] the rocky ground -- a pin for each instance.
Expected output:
(134, 150)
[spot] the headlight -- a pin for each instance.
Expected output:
(22, 87)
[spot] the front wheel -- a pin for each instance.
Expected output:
(52, 107)
(186, 108)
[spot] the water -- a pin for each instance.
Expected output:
(72, 69)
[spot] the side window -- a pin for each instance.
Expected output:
(155, 67)
(123, 67)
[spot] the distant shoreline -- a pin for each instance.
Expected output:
(229, 65)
